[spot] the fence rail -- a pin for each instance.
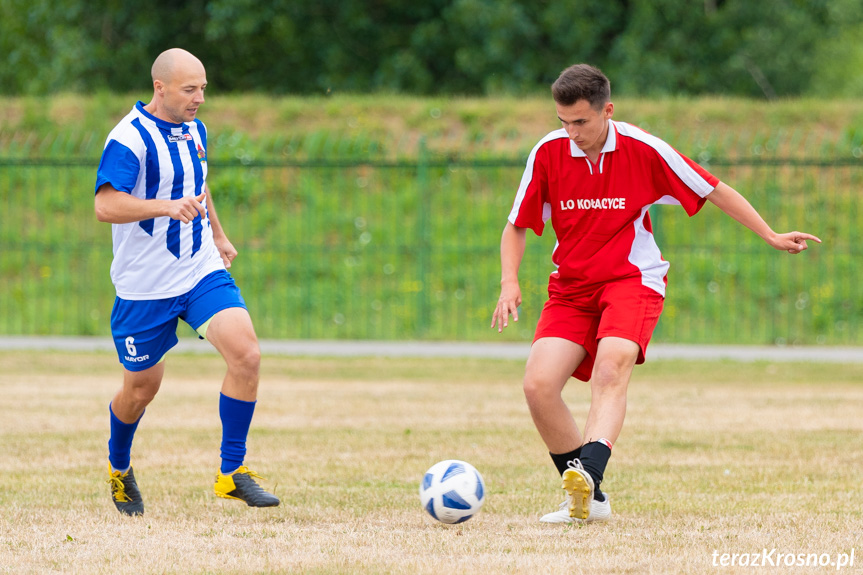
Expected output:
(410, 250)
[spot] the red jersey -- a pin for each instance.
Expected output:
(599, 212)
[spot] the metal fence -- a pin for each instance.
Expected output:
(410, 250)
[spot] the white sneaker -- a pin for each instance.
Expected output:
(599, 511)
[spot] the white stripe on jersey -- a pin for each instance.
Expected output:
(683, 170)
(668, 200)
(126, 134)
(528, 176)
(645, 255)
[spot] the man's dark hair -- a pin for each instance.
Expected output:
(582, 82)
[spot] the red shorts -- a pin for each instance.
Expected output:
(622, 309)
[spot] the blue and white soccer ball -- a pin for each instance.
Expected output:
(452, 491)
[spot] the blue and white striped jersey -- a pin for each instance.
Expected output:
(150, 158)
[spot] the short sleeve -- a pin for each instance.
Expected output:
(531, 208)
(119, 167)
(685, 181)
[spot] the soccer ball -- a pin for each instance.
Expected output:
(452, 491)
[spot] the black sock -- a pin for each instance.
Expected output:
(594, 458)
(562, 459)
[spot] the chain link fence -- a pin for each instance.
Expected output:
(409, 250)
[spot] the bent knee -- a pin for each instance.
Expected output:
(610, 375)
(538, 389)
(247, 362)
(142, 395)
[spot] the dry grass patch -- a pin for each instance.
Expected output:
(725, 457)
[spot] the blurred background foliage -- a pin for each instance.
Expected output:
(766, 49)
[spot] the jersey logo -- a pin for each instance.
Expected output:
(179, 137)
(202, 154)
(594, 204)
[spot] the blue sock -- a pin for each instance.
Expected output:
(120, 442)
(236, 418)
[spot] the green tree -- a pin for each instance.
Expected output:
(839, 56)
(769, 48)
(760, 49)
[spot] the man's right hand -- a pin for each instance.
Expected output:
(187, 209)
(510, 299)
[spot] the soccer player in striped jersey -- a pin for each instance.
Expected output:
(595, 179)
(170, 262)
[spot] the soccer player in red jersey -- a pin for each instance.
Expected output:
(595, 179)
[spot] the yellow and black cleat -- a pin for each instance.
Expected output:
(125, 492)
(241, 485)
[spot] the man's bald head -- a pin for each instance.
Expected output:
(179, 81)
(171, 62)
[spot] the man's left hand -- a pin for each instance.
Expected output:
(792, 242)
(226, 250)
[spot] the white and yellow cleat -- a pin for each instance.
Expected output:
(578, 485)
(241, 485)
(579, 504)
(599, 511)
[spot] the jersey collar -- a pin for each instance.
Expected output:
(162, 124)
(610, 143)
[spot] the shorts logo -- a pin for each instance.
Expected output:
(133, 352)
(594, 204)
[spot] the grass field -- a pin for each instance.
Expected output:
(714, 458)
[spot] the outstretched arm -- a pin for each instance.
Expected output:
(511, 252)
(732, 203)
